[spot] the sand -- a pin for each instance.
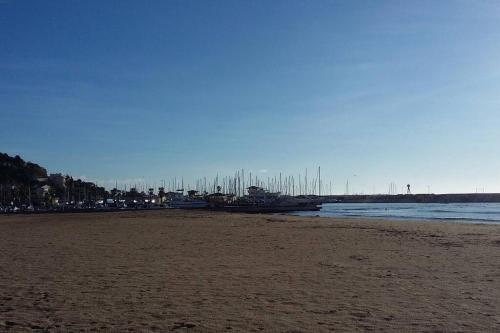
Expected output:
(188, 271)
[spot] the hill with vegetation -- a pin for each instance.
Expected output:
(26, 183)
(16, 171)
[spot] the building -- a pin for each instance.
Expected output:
(42, 191)
(57, 180)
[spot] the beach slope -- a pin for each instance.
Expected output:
(194, 271)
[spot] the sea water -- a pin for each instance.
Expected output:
(469, 212)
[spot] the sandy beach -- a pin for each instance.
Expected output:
(188, 271)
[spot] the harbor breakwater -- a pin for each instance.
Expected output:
(413, 198)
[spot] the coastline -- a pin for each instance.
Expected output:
(202, 271)
(440, 221)
(453, 212)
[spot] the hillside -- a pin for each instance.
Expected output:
(16, 171)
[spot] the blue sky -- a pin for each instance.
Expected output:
(373, 91)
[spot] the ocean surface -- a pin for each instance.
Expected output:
(469, 212)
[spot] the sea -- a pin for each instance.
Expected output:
(459, 212)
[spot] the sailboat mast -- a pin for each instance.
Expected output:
(319, 181)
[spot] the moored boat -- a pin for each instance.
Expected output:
(192, 201)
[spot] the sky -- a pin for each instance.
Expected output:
(374, 92)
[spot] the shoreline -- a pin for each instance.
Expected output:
(359, 218)
(458, 212)
(404, 220)
(485, 213)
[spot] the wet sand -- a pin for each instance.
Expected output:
(192, 271)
